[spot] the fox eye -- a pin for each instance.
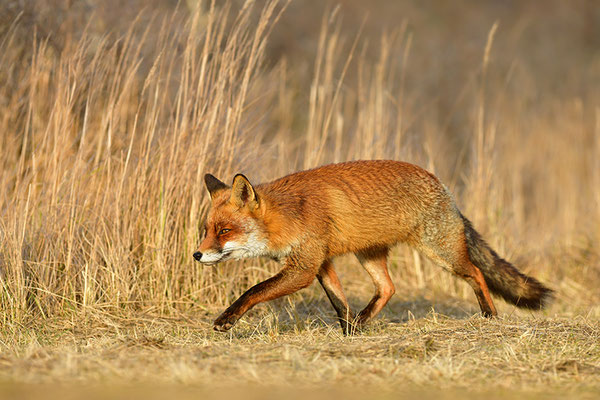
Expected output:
(224, 231)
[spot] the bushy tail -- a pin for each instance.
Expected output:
(502, 278)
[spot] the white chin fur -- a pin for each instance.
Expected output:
(254, 247)
(211, 258)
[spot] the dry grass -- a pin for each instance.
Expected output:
(106, 135)
(271, 350)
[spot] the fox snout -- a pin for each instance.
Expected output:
(210, 256)
(210, 250)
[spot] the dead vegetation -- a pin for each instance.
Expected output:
(268, 351)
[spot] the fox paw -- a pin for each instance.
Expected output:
(224, 322)
(349, 328)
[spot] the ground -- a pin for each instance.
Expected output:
(412, 349)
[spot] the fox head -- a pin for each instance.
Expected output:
(233, 229)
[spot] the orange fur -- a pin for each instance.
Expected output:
(364, 207)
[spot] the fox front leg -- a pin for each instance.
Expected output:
(289, 280)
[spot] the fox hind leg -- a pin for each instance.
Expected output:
(470, 273)
(452, 254)
(333, 289)
(374, 261)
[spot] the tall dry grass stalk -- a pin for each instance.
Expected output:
(104, 159)
(105, 142)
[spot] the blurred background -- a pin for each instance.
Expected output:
(112, 111)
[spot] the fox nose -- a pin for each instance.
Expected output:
(197, 256)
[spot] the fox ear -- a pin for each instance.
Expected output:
(242, 193)
(213, 184)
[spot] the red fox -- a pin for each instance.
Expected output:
(306, 219)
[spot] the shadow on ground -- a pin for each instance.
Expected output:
(319, 312)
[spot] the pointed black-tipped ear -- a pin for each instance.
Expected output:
(242, 193)
(213, 185)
